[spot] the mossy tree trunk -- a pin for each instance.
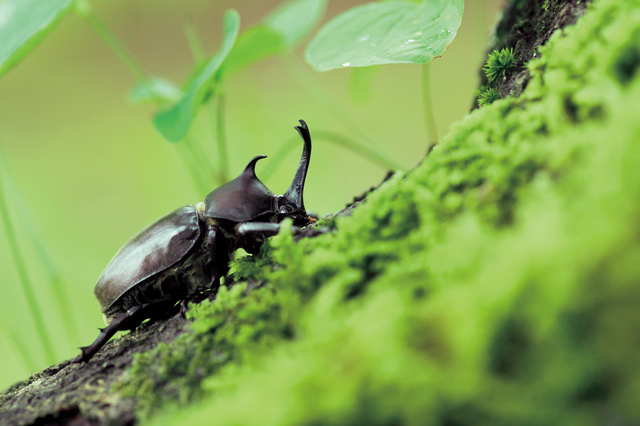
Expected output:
(496, 283)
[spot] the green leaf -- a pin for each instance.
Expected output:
(174, 123)
(294, 19)
(254, 44)
(386, 33)
(23, 23)
(282, 29)
(154, 90)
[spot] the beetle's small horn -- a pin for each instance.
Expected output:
(251, 167)
(294, 193)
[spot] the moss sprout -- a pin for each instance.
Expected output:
(499, 62)
(488, 96)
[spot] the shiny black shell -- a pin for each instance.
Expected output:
(241, 200)
(168, 240)
(151, 251)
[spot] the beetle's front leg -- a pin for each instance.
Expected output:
(251, 235)
(215, 251)
(217, 254)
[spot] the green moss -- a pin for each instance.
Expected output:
(488, 96)
(497, 283)
(499, 63)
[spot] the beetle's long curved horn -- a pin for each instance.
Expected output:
(294, 193)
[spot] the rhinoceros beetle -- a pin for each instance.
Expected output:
(189, 250)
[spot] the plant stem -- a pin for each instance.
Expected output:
(193, 162)
(52, 271)
(362, 149)
(195, 45)
(84, 9)
(25, 357)
(311, 83)
(223, 156)
(204, 164)
(430, 121)
(27, 286)
(58, 288)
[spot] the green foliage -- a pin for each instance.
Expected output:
(23, 24)
(279, 31)
(499, 63)
(26, 283)
(174, 122)
(386, 33)
(155, 90)
(282, 29)
(488, 96)
(496, 283)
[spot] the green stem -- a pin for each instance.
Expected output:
(204, 164)
(195, 45)
(311, 83)
(364, 150)
(29, 364)
(189, 158)
(430, 121)
(84, 9)
(337, 139)
(223, 156)
(58, 288)
(272, 166)
(27, 286)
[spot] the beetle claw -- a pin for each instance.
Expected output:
(83, 357)
(183, 308)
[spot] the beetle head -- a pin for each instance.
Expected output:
(241, 200)
(291, 203)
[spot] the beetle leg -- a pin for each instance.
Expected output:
(251, 235)
(184, 307)
(218, 255)
(217, 262)
(123, 321)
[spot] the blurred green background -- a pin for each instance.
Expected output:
(92, 170)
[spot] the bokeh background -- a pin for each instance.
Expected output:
(92, 171)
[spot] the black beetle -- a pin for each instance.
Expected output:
(188, 250)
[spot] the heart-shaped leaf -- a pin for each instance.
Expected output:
(23, 23)
(174, 123)
(386, 33)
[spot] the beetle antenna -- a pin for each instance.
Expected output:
(295, 191)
